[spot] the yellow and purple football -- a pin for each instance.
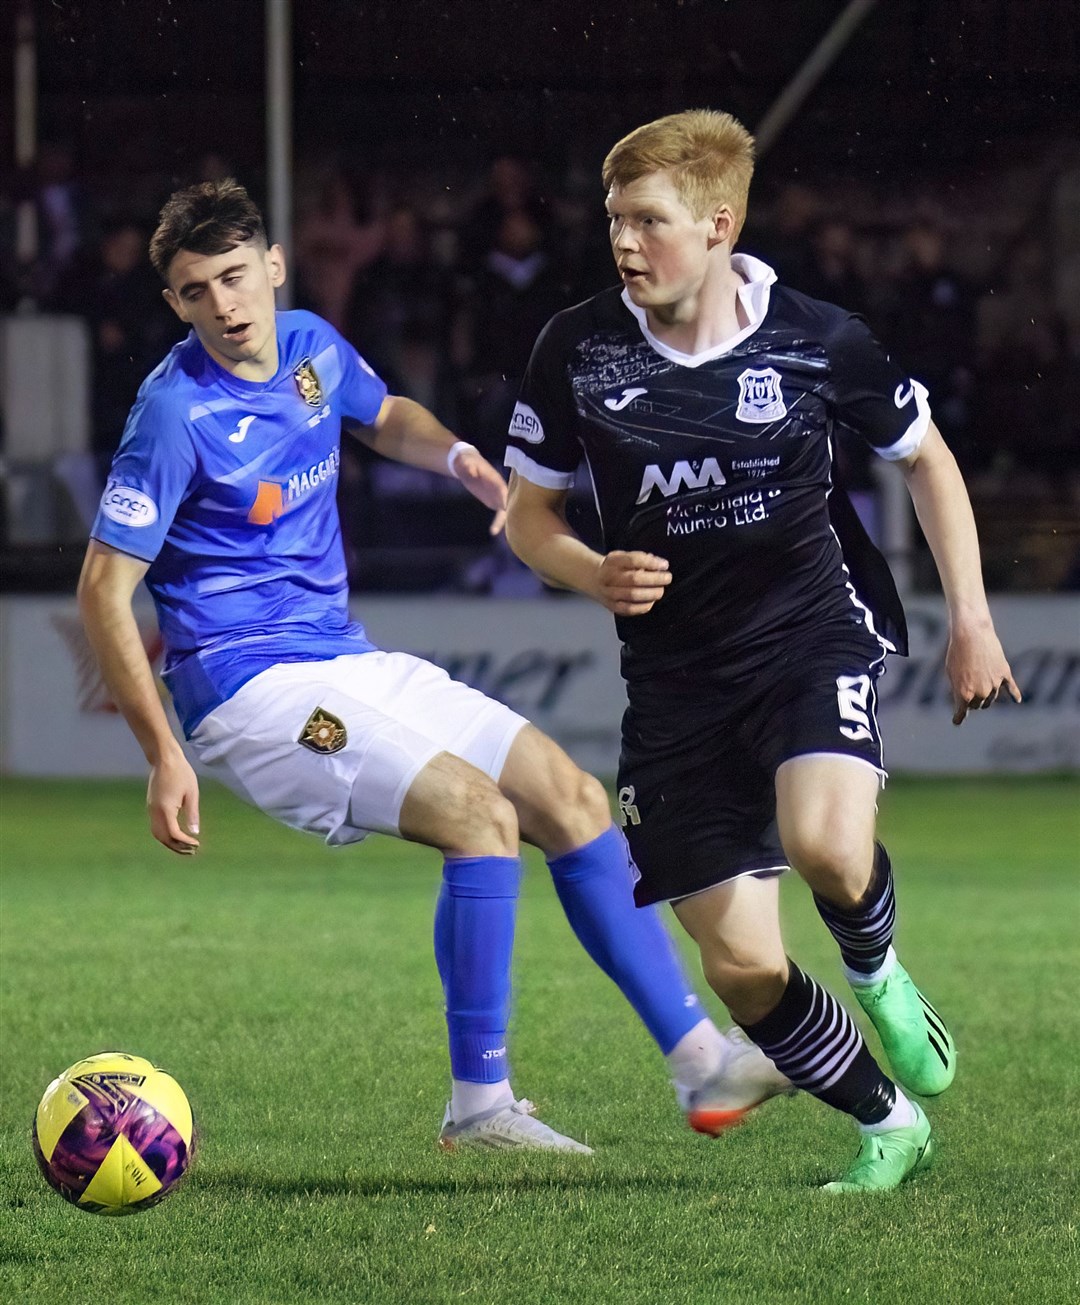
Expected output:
(114, 1134)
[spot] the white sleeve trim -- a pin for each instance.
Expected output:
(525, 466)
(913, 436)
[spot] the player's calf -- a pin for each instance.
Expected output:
(864, 928)
(916, 1040)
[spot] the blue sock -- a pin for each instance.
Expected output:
(631, 946)
(474, 940)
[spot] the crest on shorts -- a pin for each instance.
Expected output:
(323, 732)
(760, 399)
(308, 383)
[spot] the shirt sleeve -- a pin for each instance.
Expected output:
(153, 471)
(542, 443)
(871, 396)
(362, 391)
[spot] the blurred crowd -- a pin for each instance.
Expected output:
(443, 284)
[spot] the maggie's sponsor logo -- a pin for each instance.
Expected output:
(274, 499)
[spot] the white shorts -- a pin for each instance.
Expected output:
(332, 747)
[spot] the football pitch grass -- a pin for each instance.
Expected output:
(292, 992)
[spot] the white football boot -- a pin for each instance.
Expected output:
(745, 1079)
(505, 1127)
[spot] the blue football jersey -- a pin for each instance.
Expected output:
(227, 488)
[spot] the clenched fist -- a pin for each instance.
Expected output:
(629, 584)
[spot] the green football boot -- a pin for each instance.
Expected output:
(886, 1159)
(919, 1046)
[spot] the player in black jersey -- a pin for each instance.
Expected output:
(755, 614)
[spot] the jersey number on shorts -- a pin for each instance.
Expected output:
(852, 694)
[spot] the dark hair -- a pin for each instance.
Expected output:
(209, 218)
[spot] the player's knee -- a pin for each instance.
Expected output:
(461, 811)
(490, 821)
(836, 865)
(590, 804)
(749, 986)
(575, 810)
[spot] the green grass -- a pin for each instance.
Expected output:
(292, 992)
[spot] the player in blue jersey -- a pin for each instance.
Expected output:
(222, 497)
(754, 613)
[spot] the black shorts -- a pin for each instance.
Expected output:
(701, 748)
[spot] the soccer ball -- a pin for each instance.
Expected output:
(113, 1134)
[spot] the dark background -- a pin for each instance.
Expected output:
(949, 122)
(920, 86)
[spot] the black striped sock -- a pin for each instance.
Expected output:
(813, 1040)
(865, 932)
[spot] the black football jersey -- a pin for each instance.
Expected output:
(722, 464)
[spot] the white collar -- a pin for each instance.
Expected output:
(758, 279)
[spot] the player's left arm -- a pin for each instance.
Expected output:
(975, 663)
(405, 431)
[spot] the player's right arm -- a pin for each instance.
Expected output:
(628, 584)
(543, 453)
(106, 587)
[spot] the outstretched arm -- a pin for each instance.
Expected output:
(975, 663)
(628, 584)
(406, 432)
(106, 587)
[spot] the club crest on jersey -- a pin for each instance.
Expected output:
(760, 399)
(308, 383)
(323, 733)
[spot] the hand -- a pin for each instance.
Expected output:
(483, 482)
(628, 584)
(977, 670)
(174, 789)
